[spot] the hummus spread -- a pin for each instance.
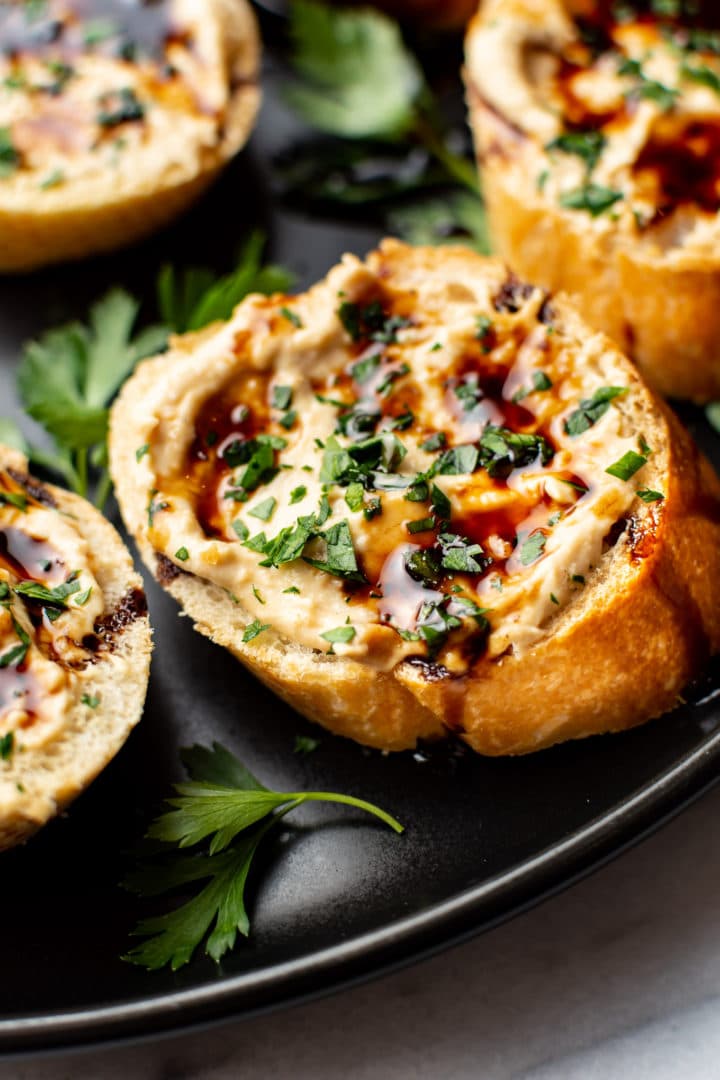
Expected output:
(389, 472)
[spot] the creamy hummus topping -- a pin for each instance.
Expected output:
(92, 86)
(49, 604)
(628, 104)
(389, 472)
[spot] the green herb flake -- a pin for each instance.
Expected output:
(305, 744)
(341, 635)
(292, 317)
(182, 554)
(9, 157)
(627, 466)
(91, 700)
(7, 745)
(649, 496)
(592, 409)
(264, 510)
(298, 494)
(532, 548)
(292, 590)
(421, 525)
(281, 397)
(436, 441)
(82, 598)
(593, 198)
(253, 630)
(142, 451)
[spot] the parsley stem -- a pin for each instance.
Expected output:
(348, 800)
(82, 472)
(458, 167)
(103, 490)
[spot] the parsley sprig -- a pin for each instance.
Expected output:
(69, 376)
(358, 82)
(224, 813)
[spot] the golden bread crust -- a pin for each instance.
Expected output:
(648, 606)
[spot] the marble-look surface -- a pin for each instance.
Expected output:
(619, 977)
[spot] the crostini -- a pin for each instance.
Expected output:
(74, 647)
(114, 117)
(424, 497)
(597, 129)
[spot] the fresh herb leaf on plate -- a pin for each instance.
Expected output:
(66, 380)
(228, 811)
(194, 297)
(357, 79)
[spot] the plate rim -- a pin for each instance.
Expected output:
(387, 948)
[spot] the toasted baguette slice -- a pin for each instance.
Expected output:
(114, 117)
(599, 144)
(424, 497)
(74, 647)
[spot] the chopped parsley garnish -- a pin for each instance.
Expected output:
(587, 145)
(298, 494)
(540, 383)
(120, 107)
(292, 317)
(15, 656)
(592, 409)
(12, 498)
(434, 442)
(7, 745)
(340, 559)
(182, 554)
(484, 331)
(91, 700)
(627, 466)
(440, 503)
(258, 595)
(304, 744)
(364, 369)
(459, 460)
(253, 630)
(282, 397)
(53, 599)
(502, 450)
(264, 510)
(142, 451)
(649, 496)
(288, 420)
(701, 74)
(240, 529)
(461, 555)
(420, 525)
(341, 635)
(355, 496)
(648, 89)
(532, 548)
(82, 598)
(591, 197)
(370, 322)
(293, 590)
(9, 157)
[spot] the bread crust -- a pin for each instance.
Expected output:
(656, 294)
(649, 607)
(115, 207)
(38, 783)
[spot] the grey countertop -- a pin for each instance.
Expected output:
(617, 977)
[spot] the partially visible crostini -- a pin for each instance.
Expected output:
(597, 129)
(74, 647)
(114, 117)
(424, 497)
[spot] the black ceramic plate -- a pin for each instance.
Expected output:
(339, 897)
